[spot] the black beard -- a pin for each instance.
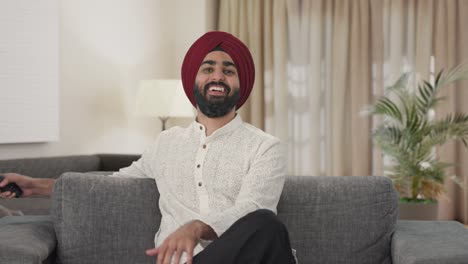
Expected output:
(215, 107)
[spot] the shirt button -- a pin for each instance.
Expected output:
(200, 184)
(204, 146)
(201, 128)
(198, 165)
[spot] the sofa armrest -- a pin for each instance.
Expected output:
(430, 242)
(101, 219)
(27, 240)
(113, 162)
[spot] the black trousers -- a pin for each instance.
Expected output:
(257, 238)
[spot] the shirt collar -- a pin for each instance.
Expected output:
(231, 126)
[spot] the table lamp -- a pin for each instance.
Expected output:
(164, 99)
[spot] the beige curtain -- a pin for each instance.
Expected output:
(306, 93)
(330, 67)
(450, 48)
(261, 25)
(427, 36)
(351, 79)
(460, 209)
(320, 61)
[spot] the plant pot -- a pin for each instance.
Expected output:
(418, 211)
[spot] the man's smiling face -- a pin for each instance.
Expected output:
(217, 84)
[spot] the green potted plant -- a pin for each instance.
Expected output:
(409, 133)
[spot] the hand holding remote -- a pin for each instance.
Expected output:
(11, 187)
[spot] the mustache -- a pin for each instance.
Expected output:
(225, 86)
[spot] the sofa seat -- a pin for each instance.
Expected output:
(27, 240)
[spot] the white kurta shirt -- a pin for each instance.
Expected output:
(216, 179)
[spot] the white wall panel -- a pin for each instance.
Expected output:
(29, 70)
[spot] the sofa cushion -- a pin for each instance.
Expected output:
(430, 242)
(340, 219)
(102, 219)
(34, 205)
(26, 239)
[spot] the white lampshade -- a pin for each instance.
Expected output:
(163, 98)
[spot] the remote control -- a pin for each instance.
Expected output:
(11, 187)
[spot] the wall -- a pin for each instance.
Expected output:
(106, 47)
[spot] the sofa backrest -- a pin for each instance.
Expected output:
(340, 219)
(100, 219)
(50, 167)
(53, 167)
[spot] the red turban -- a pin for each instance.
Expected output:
(239, 53)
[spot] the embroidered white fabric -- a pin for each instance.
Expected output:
(216, 179)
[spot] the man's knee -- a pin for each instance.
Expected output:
(265, 220)
(263, 214)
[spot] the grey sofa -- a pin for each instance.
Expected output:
(100, 219)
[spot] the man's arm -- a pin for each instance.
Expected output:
(205, 231)
(44, 186)
(29, 186)
(142, 168)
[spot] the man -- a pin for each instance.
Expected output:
(219, 179)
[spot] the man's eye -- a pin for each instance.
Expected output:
(207, 70)
(229, 72)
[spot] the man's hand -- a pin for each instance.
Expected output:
(24, 182)
(182, 240)
(29, 186)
